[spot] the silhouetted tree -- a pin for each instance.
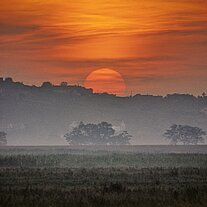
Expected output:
(185, 134)
(8, 80)
(3, 140)
(46, 85)
(101, 133)
(63, 84)
(120, 139)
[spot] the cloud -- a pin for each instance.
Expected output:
(16, 29)
(154, 78)
(174, 32)
(107, 62)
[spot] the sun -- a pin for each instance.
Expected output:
(106, 80)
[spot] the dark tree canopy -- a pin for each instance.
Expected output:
(185, 134)
(96, 134)
(46, 84)
(3, 140)
(63, 84)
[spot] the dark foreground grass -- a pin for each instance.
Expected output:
(103, 179)
(103, 187)
(102, 159)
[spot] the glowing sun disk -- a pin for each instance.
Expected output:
(106, 80)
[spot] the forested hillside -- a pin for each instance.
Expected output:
(33, 115)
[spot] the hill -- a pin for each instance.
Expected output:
(33, 115)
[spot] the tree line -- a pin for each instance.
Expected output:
(104, 134)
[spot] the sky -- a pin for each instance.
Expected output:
(157, 46)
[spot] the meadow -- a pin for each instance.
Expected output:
(101, 176)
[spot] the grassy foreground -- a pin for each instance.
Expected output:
(99, 178)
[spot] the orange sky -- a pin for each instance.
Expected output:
(158, 47)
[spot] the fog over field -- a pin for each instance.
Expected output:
(32, 115)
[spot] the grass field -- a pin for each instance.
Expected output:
(103, 176)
